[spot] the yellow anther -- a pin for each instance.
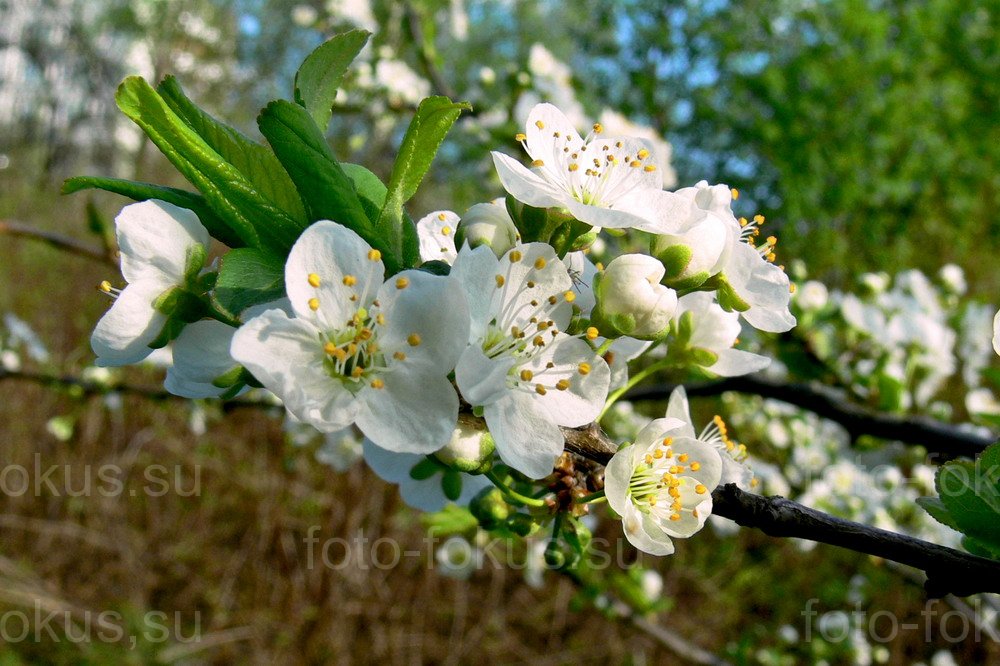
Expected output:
(526, 375)
(583, 368)
(539, 124)
(743, 222)
(592, 333)
(540, 263)
(642, 154)
(357, 372)
(674, 492)
(352, 349)
(537, 163)
(538, 341)
(350, 280)
(313, 280)
(598, 128)
(314, 304)
(365, 334)
(667, 441)
(330, 348)
(599, 266)
(402, 283)
(695, 466)
(540, 390)
(771, 256)
(380, 319)
(105, 286)
(562, 384)
(658, 453)
(651, 499)
(553, 300)
(674, 469)
(446, 231)
(531, 284)
(700, 489)
(635, 163)
(399, 356)
(378, 384)
(649, 459)
(683, 457)
(520, 136)
(413, 339)
(758, 218)
(500, 281)
(442, 217)
(374, 255)
(772, 240)
(791, 288)
(649, 168)
(573, 166)
(569, 296)
(735, 192)
(515, 256)
(675, 517)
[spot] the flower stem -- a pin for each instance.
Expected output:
(592, 497)
(632, 381)
(512, 495)
(605, 346)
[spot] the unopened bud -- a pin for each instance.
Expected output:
(630, 299)
(488, 224)
(470, 449)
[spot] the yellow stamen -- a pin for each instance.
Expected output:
(592, 333)
(526, 375)
(583, 368)
(413, 339)
(314, 304)
(350, 280)
(313, 280)
(374, 255)
(402, 283)
(378, 383)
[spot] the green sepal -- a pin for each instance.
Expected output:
(426, 468)
(675, 258)
(728, 298)
(194, 262)
(171, 329)
(451, 484)
(435, 267)
(704, 357)
(232, 377)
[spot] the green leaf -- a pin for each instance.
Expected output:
(325, 187)
(258, 221)
(938, 511)
(451, 484)
(255, 161)
(249, 277)
(322, 72)
(452, 519)
(369, 187)
(144, 191)
(427, 130)
(971, 493)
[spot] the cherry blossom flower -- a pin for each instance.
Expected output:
(661, 485)
(605, 182)
(357, 350)
(526, 374)
(163, 247)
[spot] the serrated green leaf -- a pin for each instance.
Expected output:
(970, 494)
(938, 511)
(328, 192)
(249, 277)
(255, 161)
(256, 220)
(427, 130)
(145, 191)
(322, 72)
(981, 548)
(368, 186)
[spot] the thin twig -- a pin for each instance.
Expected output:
(938, 437)
(416, 30)
(56, 240)
(948, 570)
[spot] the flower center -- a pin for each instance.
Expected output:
(660, 485)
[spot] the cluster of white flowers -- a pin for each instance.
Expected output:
(497, 344)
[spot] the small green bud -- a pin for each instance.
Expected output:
(489, 508)
(521, 524)
(470, 449)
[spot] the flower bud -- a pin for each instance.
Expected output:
(489, 508)
(488, 224)
(694, 256)
(470, 449)
(630, 299)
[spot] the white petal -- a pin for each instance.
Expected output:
(612, 218)
(482, 380)
(412, 413)
(525, 439)
(542, 142)
(537, 276)
(644, 532)
(996, 333)
(734, 362)
(617, 476)
(764, 286)
(664, 212)
(390, 466)
(201, 354)
(335, 255)
(154, 238)
(475, 270)
(678, 408)
(653, 434)
(583, 401)
(525, 186)
(285, 355)
(582, 271)
(434, 308)
(123, 334)
(436, 233)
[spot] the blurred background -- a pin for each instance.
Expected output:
(866, 131)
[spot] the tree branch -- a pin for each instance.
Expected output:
(830, 403)
(948, 570)
(56, 240)
(424, 52)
